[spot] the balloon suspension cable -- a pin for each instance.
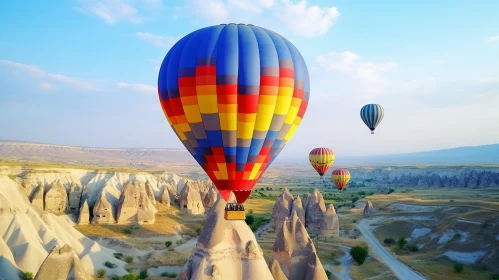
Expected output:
(235, 211)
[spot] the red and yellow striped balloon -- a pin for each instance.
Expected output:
(321, 159)
(340, 177)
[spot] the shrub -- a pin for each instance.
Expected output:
(250, 211)
(168, 244)
(127, 230)
(354, 221)
(457, 235)
(115, 277)
(249, 220)
(143, 274)
(129, 259)
(458, 267)
(198, 230)
(118, 255)
(452, 200)
(328, 274)
(389, 241)
(486, 224)
(361, 193)
(100, 273)
(167, 274)
(130, 276)
(110, 264)
(28, 275)
(254, 227)
(413, 247)
(402, 242)
(354, 199)
(359, 254)
(390, 191)
(337, 262)
(494, 276)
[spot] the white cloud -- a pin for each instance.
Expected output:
(138, 87)
(493, 38)
(111, 11)
(46, 85)
(307, 20)
(347, 69)
(296, 17)
(36, 71)
(164, 42)
(488, 80)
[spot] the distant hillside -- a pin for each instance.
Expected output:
(118, 157)
(472, 155)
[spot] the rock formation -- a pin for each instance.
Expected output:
(37, 196)
(134, 205)
(62, 264)
(298, 208)
(315, 270)
(165, 197)
(150, 192)
(282, 208)
(190, 200)
(226, 250)
(75, 192)
(146, 212)
(103, 210)
(84, 215)
(368, 209)
(293, 249)
(275, 269)
(330, 225)
(56, 198)
(314, 209)
(210, 198)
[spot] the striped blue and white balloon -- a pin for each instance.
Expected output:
(372, 114)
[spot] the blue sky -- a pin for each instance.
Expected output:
(84, 72)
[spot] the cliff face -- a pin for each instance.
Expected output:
(456, 177)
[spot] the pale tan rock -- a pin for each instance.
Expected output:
(226, 250)
(134, 206)
(62, 264)
(56, 198)
(210, 198)
(314, 210)
(282, 208)
(330, 224)
(84, 214)
(298, 208)
(150, 192)
(75, 192)
(103, 210)
(190, 200)
(293, 248)
(368, 209)
(315, 270)
(37, 196)
(165, 197)
(276, 271)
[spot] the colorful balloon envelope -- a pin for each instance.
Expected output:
(234, 94)
(321, 159)
(340, 177)
(372, 115)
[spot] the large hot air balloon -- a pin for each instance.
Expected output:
(234, 94)
(340, 177)
(321, 159)
(372, 115)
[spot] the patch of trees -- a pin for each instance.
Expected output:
(359, 254)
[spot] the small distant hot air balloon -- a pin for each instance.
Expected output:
(234, 94)
(340, 177)
(372, 115)
(321, 159)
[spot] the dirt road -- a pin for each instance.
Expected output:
(401, 270)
